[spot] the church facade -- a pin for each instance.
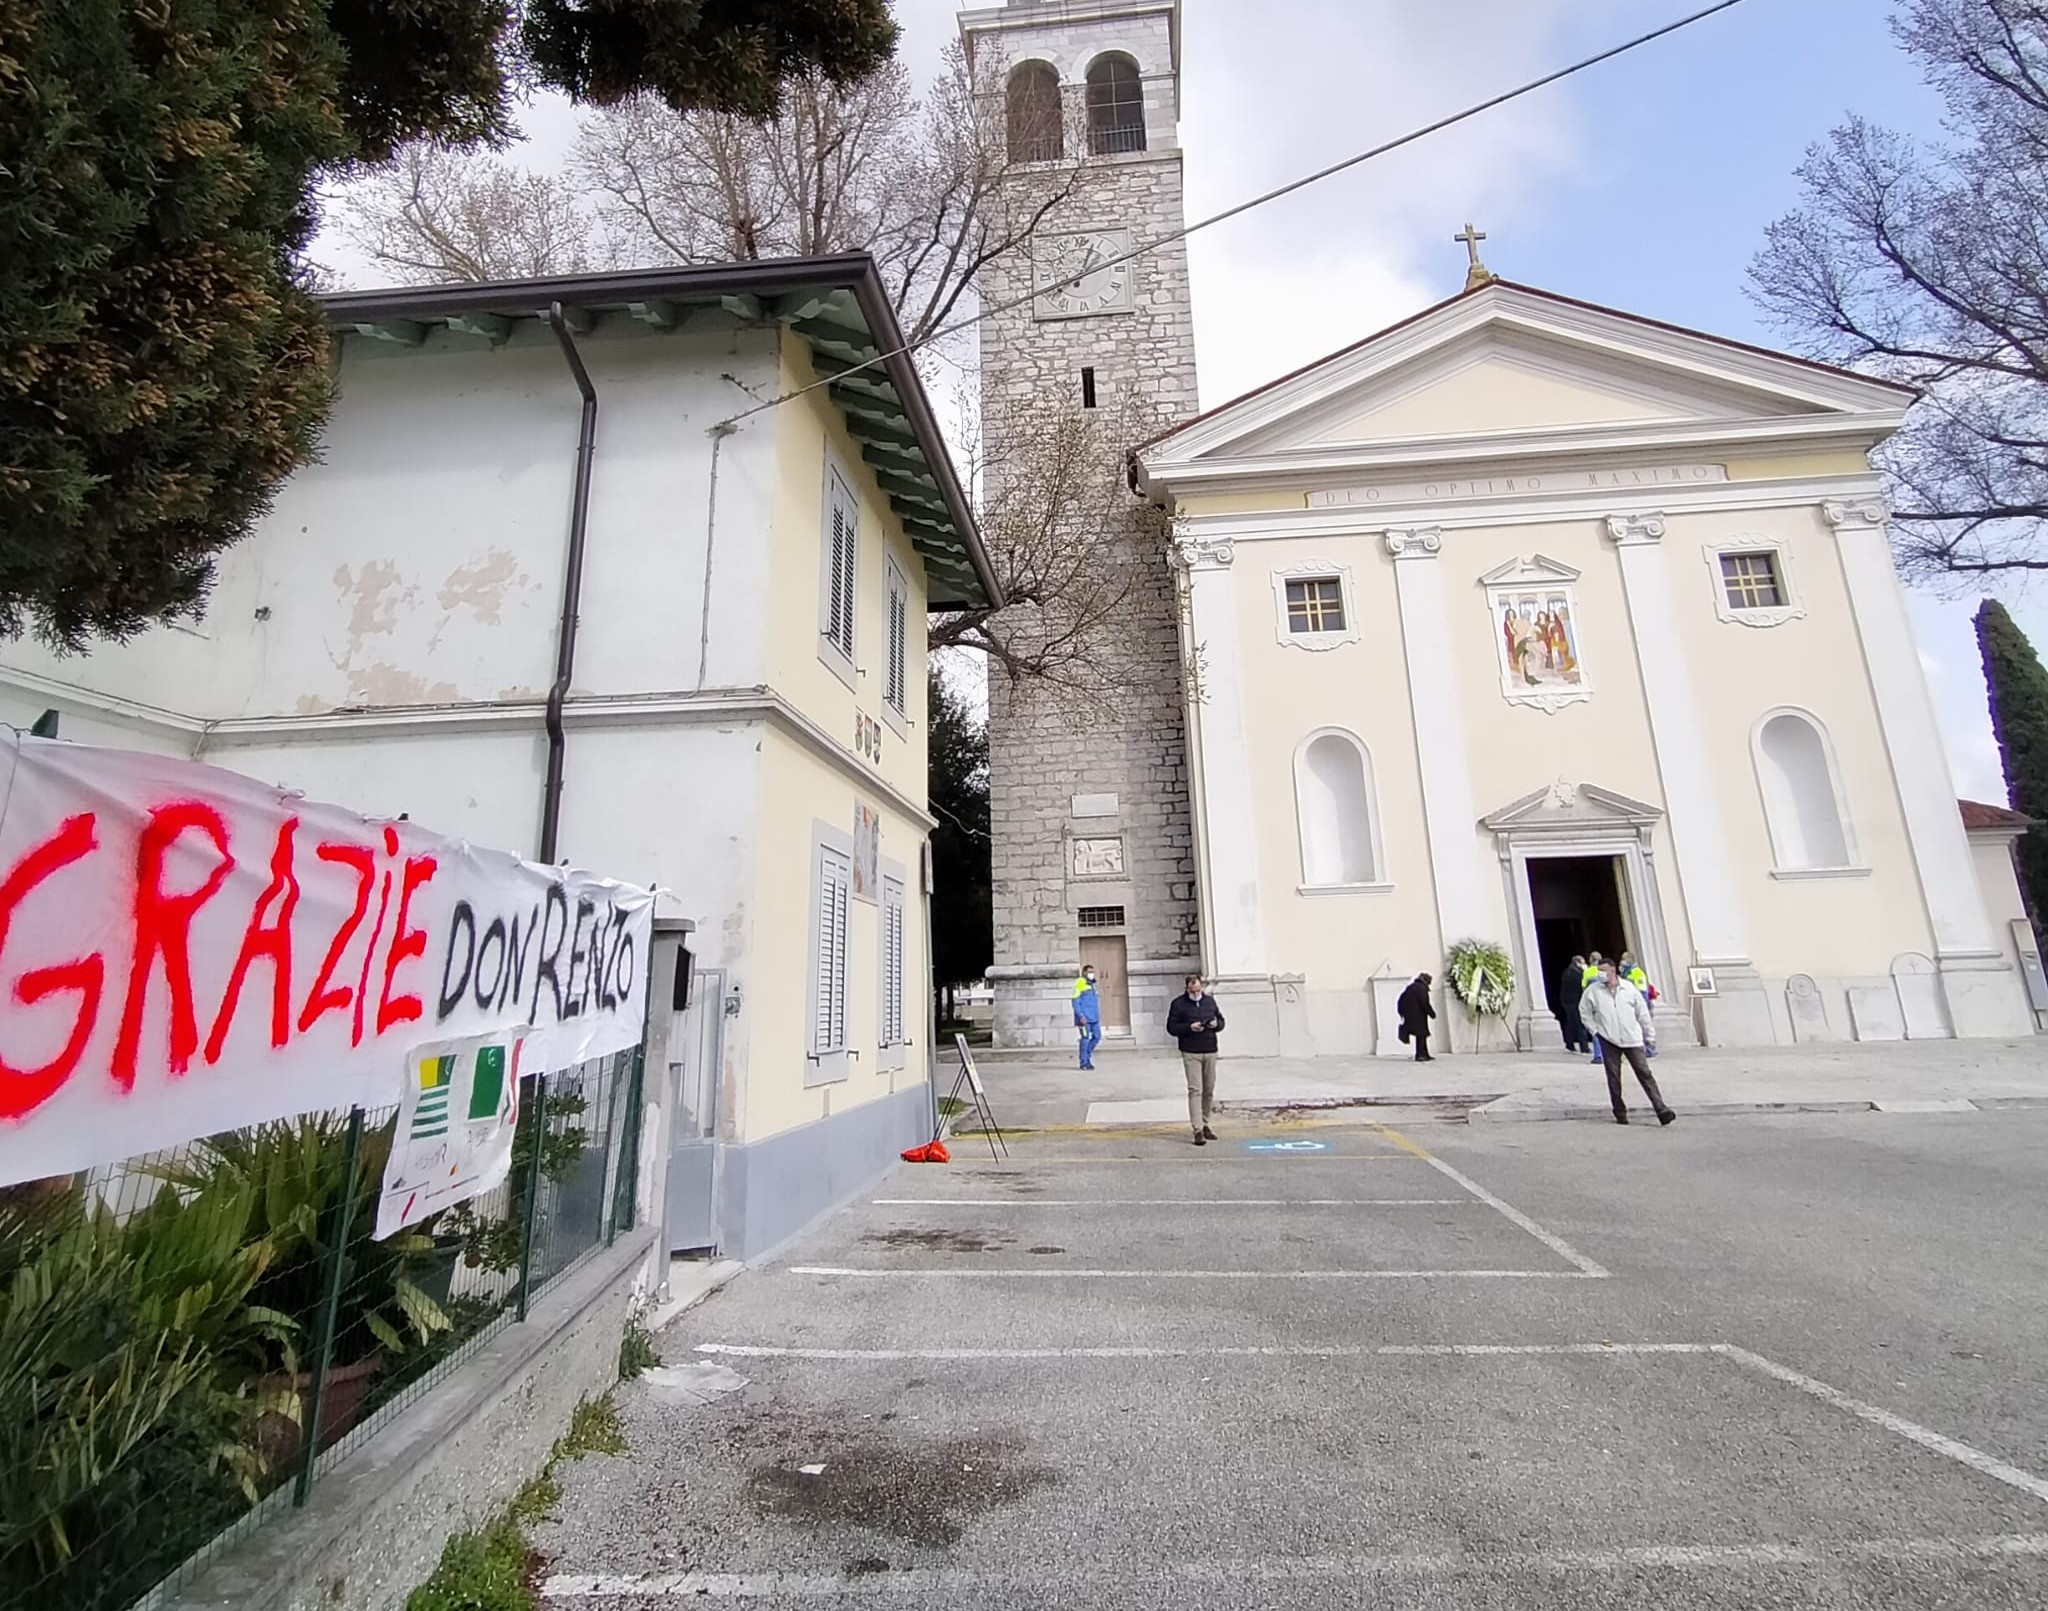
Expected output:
(1536, 623)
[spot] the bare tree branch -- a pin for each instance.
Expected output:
(1929, 265)
(438, 216)
(929, 188)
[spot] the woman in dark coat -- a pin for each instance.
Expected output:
(1416, 1013)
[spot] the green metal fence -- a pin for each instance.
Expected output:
(189, 1339)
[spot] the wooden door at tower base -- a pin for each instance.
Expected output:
(1107, 955)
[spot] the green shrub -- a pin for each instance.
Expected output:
(637, 1353)
(131, 1363)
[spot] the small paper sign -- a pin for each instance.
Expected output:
(455, 1128)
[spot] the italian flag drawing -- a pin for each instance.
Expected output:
(456, 1121)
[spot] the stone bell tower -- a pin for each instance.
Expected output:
(1094, 854)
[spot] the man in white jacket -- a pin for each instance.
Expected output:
(1615, 1010)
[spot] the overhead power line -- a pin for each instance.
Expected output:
(1244, 207)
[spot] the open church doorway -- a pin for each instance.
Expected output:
(1581, 905)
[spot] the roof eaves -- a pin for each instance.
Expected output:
(855, 272)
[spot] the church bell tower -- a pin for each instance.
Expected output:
(1094, 855)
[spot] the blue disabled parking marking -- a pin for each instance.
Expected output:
(1287, 1146)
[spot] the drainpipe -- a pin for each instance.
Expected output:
(572, 588)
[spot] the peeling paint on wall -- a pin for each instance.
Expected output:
(374, 595)
(481, 585)
(383, 684)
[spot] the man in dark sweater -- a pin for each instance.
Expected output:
(1193, 1020)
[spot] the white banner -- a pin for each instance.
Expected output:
(184, 950)
(455, 1128)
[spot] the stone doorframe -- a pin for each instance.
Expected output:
(1570, 819)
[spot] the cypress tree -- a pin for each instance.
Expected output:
(963, 903)
(2018, 687)
(163, 366)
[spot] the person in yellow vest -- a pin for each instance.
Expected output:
(1632, 971)
(1592, 972)
(1087, 1016)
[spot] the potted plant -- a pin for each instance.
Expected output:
(297, 1174)
(1482, 981)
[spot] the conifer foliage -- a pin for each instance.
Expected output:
(162, 364)
(2019, 716)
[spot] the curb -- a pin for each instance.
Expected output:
(1494, 1114)
(694, 1292)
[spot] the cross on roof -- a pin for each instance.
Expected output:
(1479, 274)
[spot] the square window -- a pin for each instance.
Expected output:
(1752, 581)
(1315, 605)
(1101, 917)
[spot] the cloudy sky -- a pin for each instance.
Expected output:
(1645, 184)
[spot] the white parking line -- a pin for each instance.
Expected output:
(1280, 1351)
(1092, 1578)
(1043, 1274)
(1988, 1465)
(1556, 1244)
(1170, 1202)
(1976, 1459)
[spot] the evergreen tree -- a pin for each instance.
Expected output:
(162, 365)
(2019, 716)
(963, 909)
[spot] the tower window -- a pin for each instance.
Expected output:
(1116, 107)
(1036, 131)
(1087, 388)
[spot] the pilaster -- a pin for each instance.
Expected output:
(1985, 996)
(1739, 1013)
(1455, 852)
(1230, 840)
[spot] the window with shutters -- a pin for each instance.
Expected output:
(831, 920)
(893, 1019)
(896, 678)
(841, 576)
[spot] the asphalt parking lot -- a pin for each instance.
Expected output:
(1789, 1361)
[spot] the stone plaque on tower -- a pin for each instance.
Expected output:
(1090, 321)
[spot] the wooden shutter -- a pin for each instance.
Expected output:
(898, 690)
(834, 588)
(845, 566)
(842, 535)
(892, 964)
(828, 999)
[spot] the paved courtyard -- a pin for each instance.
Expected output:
(1766, 1361)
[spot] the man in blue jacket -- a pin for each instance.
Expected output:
(1087, 1015)
(1193, 1020)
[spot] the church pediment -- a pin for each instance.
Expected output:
(1506, 371)
(1566, 809)
(1537, 570)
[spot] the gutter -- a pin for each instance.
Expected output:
(572, 590)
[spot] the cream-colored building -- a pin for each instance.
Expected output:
(628, 570)
(1538, 623)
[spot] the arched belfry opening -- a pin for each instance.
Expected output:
(1037, 130)
(1116, 107)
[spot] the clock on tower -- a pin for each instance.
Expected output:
(1082, 274)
